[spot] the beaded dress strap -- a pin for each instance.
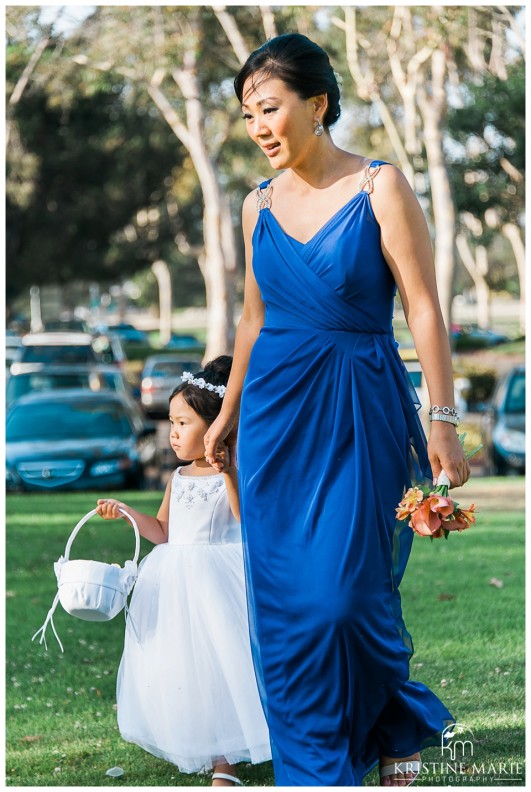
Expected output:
(264, 192)
(367, 182)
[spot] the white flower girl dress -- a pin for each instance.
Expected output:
(186, 686)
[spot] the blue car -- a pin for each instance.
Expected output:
(75, 439)
(504, 425)
(129, 334)
(185, 343)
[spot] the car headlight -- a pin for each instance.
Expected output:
(109, 466)
(510, 440)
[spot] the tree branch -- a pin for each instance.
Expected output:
(169, 114)
(517, 31)
(268, 19)
(511, 171)
(233, 33)
(368, 90)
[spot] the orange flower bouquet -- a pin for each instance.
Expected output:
(434, 513)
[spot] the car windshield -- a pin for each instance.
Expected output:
(95, 381)
(64, 421)
(57, 353)
(515, 402)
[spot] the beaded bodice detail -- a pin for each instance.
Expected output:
(200, 512)
(189, 490)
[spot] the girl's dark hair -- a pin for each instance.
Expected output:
(206, 403)
(300, 63)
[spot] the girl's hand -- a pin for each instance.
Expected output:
(108, 508)
(446, 453)
(224, 457)
(222, 429)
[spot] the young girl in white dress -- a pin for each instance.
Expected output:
(186, 687)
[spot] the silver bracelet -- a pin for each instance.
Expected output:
(452, 419)
(445, 410)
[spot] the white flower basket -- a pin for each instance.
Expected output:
(91, 590)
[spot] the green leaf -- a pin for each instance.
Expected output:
(468, 454)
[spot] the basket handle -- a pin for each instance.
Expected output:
(87, 517)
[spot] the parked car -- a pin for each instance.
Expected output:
(467, 337)
(160, 375)
(414, 369)
(66, 326)
(187, 343)
(109, 349)
(504, 425)
(74, 439)
(13, 344)
(31, 377)
(56, 348)
(129, 334)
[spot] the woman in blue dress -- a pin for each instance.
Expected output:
(328, 432)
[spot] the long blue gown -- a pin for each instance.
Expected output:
(328, 440)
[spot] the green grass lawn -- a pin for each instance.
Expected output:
(61, 718)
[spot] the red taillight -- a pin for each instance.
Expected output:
(147, 385)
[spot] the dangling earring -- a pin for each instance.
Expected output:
(318, 129)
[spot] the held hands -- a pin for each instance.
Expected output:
(108, 508)
(445, 452)
(223, 457)
(220, 444)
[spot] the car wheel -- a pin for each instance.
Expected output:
(499, 465)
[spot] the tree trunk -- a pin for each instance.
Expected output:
(215, 285)
(432, 110)
(162, 273)
(220, 323)
(477, 266)
(512, 233)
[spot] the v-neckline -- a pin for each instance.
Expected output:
(323, 227)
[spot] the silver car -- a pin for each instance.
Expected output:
(161, 374)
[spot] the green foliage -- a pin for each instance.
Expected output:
(99, 187)
(491, 129)
(61, 722)
(88, 185)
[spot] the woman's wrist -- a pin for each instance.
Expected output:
(442, 426)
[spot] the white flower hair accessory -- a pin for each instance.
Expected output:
(187, 376)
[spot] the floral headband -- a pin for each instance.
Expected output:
(187, 376)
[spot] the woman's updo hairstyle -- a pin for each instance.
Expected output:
(301, 64)
(206, 403)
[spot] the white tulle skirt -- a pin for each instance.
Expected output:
(186, 687)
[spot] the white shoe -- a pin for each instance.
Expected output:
(235, 781)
